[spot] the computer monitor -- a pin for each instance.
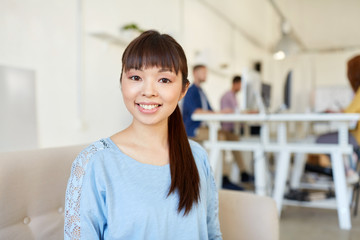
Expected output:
(266, 94)
(286, 102)
(287, 90)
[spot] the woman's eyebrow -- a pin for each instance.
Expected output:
(135, 69)
(165, 70)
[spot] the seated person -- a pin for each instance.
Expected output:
(229, 103)
(353, 73)
(195, 101)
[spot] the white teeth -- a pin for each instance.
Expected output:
(148, 107)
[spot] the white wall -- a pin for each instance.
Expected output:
(42, 36)
(42, 39)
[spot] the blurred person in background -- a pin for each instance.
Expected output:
(353, 74)
(196, 101)
(229, 103)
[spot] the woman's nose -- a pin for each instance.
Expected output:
(149, 89)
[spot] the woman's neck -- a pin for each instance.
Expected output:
(149, 136)
(146, 144)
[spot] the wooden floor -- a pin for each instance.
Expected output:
(298, 223)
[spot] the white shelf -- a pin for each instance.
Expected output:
(110, 38)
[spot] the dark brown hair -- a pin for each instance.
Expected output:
(236, 79)
(161, 50)
(353, 72)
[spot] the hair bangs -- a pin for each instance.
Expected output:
(152, 52)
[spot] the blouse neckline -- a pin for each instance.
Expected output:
(134, 161)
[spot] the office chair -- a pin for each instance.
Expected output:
(242, 214)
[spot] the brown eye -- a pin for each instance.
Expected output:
(164, 80)
(135, 78)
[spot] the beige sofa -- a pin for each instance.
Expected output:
(32, 192)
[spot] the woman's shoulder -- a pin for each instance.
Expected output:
(196, 147)
(200, 154)
(89, 153)
(354, 106)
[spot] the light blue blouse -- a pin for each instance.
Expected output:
(112, 196)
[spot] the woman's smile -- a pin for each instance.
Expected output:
(148, 107)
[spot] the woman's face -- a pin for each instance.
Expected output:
(151, 94)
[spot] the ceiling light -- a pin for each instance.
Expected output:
(287, 44)
(279, 55)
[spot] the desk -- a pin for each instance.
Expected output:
(284, 148)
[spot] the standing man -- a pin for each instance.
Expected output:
(195, 101)
(229, 103)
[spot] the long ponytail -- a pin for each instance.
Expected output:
(184, 174)
(154, 49)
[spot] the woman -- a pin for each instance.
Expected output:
(353, 73)
(147, 181)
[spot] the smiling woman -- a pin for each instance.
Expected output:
(151, 90)
(147, 181)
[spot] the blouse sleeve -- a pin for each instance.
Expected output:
(354, 106)
(212, 205)
(84, 202)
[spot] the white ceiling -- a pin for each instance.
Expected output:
(319, 25)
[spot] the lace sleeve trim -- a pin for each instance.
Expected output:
(72, 224)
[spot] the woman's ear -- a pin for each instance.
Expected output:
(183, 93)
